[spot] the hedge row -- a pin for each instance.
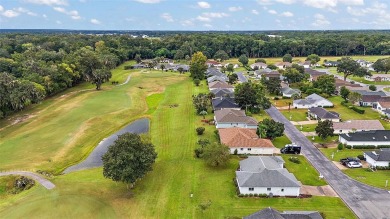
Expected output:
(358, 110)
(367, 146)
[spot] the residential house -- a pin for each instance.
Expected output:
(223, 78)
(229, 118)
(331, 64)
(211, 63)
(378, 77)
(283, 65)
(270, 213)
(314, 74)
(259, 65)
(223, 92)
(364, 63)
(214, 72)
(266, 175)
(289, 92)
(313, 100)
(224, 103)
(382, 104)
(260, 72)
(379, 158)
(245, 141)
(166, 60)
(322, 114)
(234, 65)
(305, 64)
(373, 137)
(185, 68)
(219, 85)
(369, 100)
(138, 66)
(357, 126)
(167, 66)
(350, 86)
(268, 74)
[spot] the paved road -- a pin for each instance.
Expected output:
(365, 201)
(95, 158)
(44, 182)
(241, 77)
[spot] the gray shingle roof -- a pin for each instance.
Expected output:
(267, 178)
(223, 92)
(380, 155)
(364, 92)
(323, 113)
(290, 91)
(368, 136)
(222, 103)
(311, 99)
(217, 78)
(234, 116)
(270, 213)
(258, 163)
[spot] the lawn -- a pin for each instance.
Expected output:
(376, 178)
(280, 142)
(333, 70)
(164, 192)
(295, 114)
(303, 171)
(323, 141)
(307, 128)
(349, 114)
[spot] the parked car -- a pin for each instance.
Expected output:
(291, 149)
(345, 161)
(354, 164)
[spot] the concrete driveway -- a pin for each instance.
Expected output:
(365, 201)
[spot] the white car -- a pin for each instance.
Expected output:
(354, 164)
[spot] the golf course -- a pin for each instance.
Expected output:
(64, 129)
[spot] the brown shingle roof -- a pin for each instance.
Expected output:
(359, 124)
(242, 137)
(370, 98)
(234, 116)
(219, 84)
(384, 104)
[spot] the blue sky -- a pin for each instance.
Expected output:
(195, 15)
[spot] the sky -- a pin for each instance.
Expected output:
(195, 15)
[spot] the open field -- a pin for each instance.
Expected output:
(333, 70)
(163, 193)
(376, 178)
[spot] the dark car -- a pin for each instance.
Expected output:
(291, 149)
(345, 161)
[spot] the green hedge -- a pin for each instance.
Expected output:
(367, 146)
(358, 110)
(127, 67)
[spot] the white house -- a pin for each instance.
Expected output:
(266, 175)
(229, 118)
(245, 141)
(313, 100)
(380, 158)
(283, 65)
(289, 92)
(374, 137)
(356, 126)
(259, 65)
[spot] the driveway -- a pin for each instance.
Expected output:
(365, 201)
(95, 158)
(318, 191)
(40, 179)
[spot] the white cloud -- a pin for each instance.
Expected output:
(264, 2)
(187, 23)
(287, 14)
(288, 2)
(277, 21)
(1, 8)
(149, 1)
(272, 12)
(44, 16)
(235, 8)
(204, 19)
(255, 12)
(204, 5)
(167, 17)
(377, 14)
(320, 21)
(94, 21)
(26, 11)
(73, 14)
(48, 2)
(208, 25)
(10, 13)
(215, 15)
(58, 22)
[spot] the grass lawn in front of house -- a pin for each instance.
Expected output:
(303, 171)
(307, 128)
(295, 114)
(281, 141)
(349, 114)
(327, 140)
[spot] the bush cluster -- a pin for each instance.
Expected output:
(200, 130)
(294, 160)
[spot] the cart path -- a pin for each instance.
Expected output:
(39, 178)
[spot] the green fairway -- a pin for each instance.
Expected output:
(164, 192)
(363, 175)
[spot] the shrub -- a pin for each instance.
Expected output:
(361, 157)
(240, 195)
(196, 82)
(294, 160)
(328, 106)
(384, 146)
(235, 151)
(360, 111)
(22, 183)
(198, 152)
(364, 147)
(382, 168)
(276, 98)
(340, 146)
(127, 67)
(372, 87)
(200, 130)
(286, 97)
(251, 195)
(348, 146)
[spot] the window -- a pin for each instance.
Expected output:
(268, 189)
(249, 149)
(282, 190)
(341, 131)
(242, 149)
(251, 189)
